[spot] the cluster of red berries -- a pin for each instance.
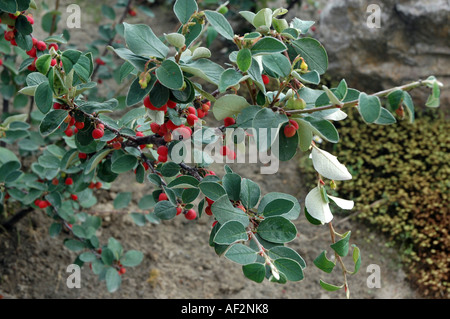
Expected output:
(291, 128)
(189, 214)
(226, 151)
(10, 36)
(96, 185)
(73, 126)
(116, 143)
(42, 204)
(98, 132)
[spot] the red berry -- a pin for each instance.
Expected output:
(68, 132)
(41, 46)
(98, 185)
(171, 126)
(210, 201)
(30, 19)
(206, 107)
(32, 52)
(191, 119)
(82, 155)
(208, 210)
(74, 197)
(43, 204)
(293, 122)
(201, 113)
(265, 79)
(154, 127)
(231, 155)
(9, 35)
(214, 223)
(163, 150)
(229, 121)
(190, 214)
(53, 45)
(122, 271)
(171, 104)
(68, 181)
(99, 61)
(132, 13)
(35, 41)
(289, 130)
(183, 132)
(79, 125)
(162, 158)
(139, 134)
(179, 210)
(37, 202)
(162, 197)
(92, 185)
(53, 62)
(97, 133)
(56, 106)
(192, 110)
(117, 145)
(55, 181)
(224, 150)
(72, 121)
(101, 126)
(168, 137)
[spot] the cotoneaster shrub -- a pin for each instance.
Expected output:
(80, 144)
(401, 188)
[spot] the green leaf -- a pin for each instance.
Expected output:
(132, 258)
(267, 124)
(165, 210)
(108, 12)
(268, 45)
(323, 263)
(55, 229)
(386, 118)
(250, 193)
(270, 197)
(232, 184)
(220, 24)
(290, 268)
(241, 254)
(356, 258)
(224, 211)
(170, 169)
(170, 75)
(263, 18)
(87, 257)
(212, 190)
(287, 146)
(122, 200)
(74, 245)
(147, 202)
(23, 26)
(204, 69)
(277, 207)
(314, 54)
(312, 77)
(395, 98)
(123, 164)
(324, 128)
(408, 102)
(184, 9)
(95, 160)
(278, 64)
(329, 287)
(277, 229)
(229, 105)
(244, 59)
(52, 121)
(341, 246)
(142, 41)
(228, 79)
(369, 107)
(113, 279)
(230, 232)
(286, 252)
(44, 97)
(184, 182)
(255, 272)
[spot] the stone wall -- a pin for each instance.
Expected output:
(413, 42)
